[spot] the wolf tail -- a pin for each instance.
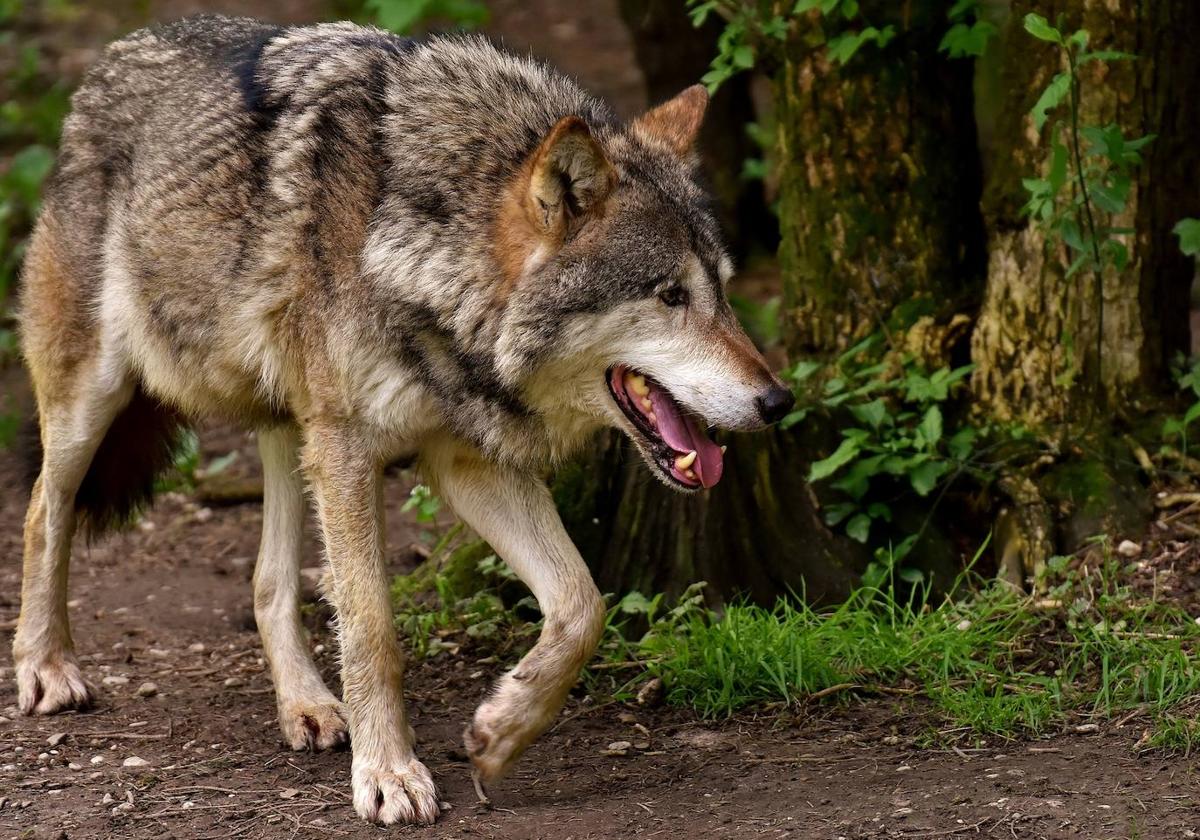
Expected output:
(137, 448)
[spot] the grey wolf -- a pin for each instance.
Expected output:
(365, 248)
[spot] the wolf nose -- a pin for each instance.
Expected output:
(774, 404)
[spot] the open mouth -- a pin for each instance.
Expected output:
(680, 446)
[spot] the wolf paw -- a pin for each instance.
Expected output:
(314, 724)
(52, 684)
(404, 793)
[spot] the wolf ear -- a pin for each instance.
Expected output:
(570, 177)
(676, 122)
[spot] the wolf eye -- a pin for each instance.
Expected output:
(675, 296)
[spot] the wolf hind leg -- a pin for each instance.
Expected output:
(74, 424)
(516, 515)
(309, 715)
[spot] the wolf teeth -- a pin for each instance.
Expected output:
(646, 404)
(637, 384)
(653, 418)
(684, 461)
(690, 474)
(723, 448)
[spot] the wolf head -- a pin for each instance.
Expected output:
(608, 248)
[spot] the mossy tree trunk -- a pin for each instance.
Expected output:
(1040, 359)
(880, 184)
(880, 203)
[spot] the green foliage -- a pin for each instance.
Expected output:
(1188, 231)
(186, 469)
(988, 660)
(896, 437)
(405, 15)
(1187, 378)
(969, 33)
(754, 29)
(1088, 176)
(29, 124)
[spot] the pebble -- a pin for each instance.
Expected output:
(288, 793)
(147, 689)
(56, 739)
(135, 761)
(108, 799)
(1128, 548)
(159, 652)
(97, 759)
(197, 647)
(74, 766)
(116, 680)
(618, 748)
(234, 682)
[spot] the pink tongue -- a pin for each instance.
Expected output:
(682, 435)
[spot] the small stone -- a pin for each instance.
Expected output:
(97, 759)
(234, 682)
(147, 689)
(1128, 548)
(197, 647)
(965, 624)
(135, 761)
(288, 793)
(618, 748)
(108, 799)
(627, 717)
(159, 653)
(56, 739)
(650, 694)
(112, 680)
(74, 766)
(203, 514)
(1086, 728)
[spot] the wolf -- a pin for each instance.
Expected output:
(363, 248)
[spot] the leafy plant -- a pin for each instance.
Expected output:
(405, 15)
(1187, 378)
(1088, 176)
(969, 32)
(1188, 231)
(896, 436)
(754, 28)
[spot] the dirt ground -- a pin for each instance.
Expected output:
(169, 603)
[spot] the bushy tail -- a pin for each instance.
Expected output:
(138, 447)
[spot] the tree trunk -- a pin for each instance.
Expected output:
(880, 201)
(880, 184)
(1040, 359)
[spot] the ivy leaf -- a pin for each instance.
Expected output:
(963, 40)
(846, 452)
(1040, 28)
(1050, 99)
(961, 443)
(743, 57)
(859, 527)
(837, 512)
(842, 47)
(925, 477)
(872, 413)
(1188, 231)
(931, 426)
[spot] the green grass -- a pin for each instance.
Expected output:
(991, 660)
(986, 660)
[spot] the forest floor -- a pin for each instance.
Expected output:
(169, 602)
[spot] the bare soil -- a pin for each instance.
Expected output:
(169, 602)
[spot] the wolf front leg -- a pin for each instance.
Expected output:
(513, 511)
(389, 784)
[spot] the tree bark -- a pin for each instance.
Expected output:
(880, 184)
(1040, 360)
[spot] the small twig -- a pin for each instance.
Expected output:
(833, 689)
